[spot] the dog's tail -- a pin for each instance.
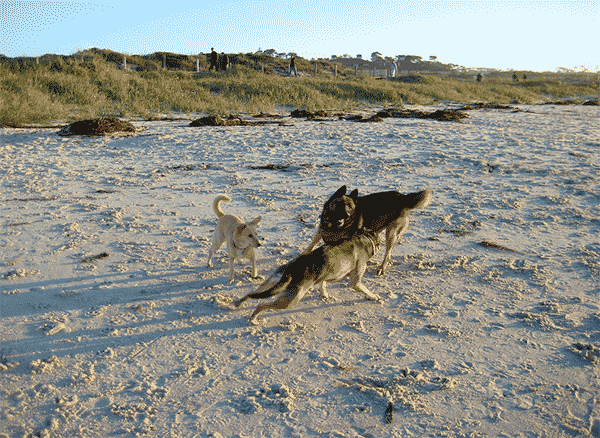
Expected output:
(275, 289)
(217, 207)
(420, 199)
(274, 285)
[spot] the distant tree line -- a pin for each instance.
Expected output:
(377, 59)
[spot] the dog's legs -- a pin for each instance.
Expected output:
(231, 275)
(216, 244)
(211, 251)
(260, 308)
(209, 263)
(314, 242)
(280, 305)
(394, 232)
(252, 258)
(232, 257)
(357, 285)
(292, 295)
(324, 295)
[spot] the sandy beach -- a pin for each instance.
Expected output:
(489, 324)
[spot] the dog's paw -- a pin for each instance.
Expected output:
(382, 270)
(257, 277)
(374, 297)
(254, 321)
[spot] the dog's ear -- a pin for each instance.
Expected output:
(354, 195)
(256, 221)
(338, 194)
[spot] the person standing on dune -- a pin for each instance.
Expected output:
(223, 62)
(214, 60)
(293, 66)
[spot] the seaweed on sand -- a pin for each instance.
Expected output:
(101, 126)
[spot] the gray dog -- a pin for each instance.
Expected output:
(327, 264)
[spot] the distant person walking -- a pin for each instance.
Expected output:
(214, 60)
(223, 62)
(293, 66)
(393, 68)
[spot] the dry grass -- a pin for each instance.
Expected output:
(84, 87)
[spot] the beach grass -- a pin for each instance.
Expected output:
(67, 89)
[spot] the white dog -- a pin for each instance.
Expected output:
(240, 237)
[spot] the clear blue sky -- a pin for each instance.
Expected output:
(533, 35)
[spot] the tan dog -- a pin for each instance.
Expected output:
(327, 264)
(241, 237)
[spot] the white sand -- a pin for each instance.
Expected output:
(469, 340)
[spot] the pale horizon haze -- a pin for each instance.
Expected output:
(519, 35)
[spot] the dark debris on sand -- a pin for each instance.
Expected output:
(101, 126)
(262, 115)
(232, 121)
(488, 244)
(316, 116)
(359, 118)
(217, 121)
(574, 102)
(445, 115)
(485, 105)
(290, 167)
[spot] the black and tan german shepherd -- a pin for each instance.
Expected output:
(327, 264)
(345, 215)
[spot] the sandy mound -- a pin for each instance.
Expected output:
(101, 126)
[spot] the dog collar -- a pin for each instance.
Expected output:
(371, 238)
